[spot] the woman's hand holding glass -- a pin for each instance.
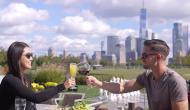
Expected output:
(69, 83)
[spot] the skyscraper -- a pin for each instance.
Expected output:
(65, 54)
(131, 48)
(97, 56)
(143, 31)
(143, 23)
(186, 37)
(51, 52)
(180, 40)
(83, 57)
(120, 54)
(102, 45)
(130, 43)
(112, 41)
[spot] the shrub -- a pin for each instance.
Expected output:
(49, 75)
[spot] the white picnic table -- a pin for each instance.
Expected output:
(46, 107)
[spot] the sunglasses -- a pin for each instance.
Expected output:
(145, 55)
(29, 55)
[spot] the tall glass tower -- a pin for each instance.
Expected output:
(112, 41)
(143, 31)
(186, 37)
(143, 22)
(179, 48)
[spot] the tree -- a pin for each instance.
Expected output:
(186, 60)
(72, 59)
(138, 62)
(105, 62)
(3, 57)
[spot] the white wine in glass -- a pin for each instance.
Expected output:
(73, 72)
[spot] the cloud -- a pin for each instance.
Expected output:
(18, 13)
(63, 2)
(85, 23)
(7, 40)
(17, 18)
(71, 44)
(116, 8)
(39, 41)
(160, 11)
(123, 33)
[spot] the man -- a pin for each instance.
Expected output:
(166, 89)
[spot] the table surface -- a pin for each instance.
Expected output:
(108, 104)
(122, 104)
(46, 107)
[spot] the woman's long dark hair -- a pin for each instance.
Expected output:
(14, 54)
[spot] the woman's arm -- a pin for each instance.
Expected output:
(16, 86)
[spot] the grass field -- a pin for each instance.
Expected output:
(133, 73)
(89, 91)
(107, 73)
(185, 72)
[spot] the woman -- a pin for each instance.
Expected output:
(14, 89)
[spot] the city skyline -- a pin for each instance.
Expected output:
(80, 25)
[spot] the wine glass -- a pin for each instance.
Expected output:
(73, 72)
(83, 68)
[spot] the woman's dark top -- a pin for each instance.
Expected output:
(12, 87)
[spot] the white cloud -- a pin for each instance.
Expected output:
(62, 41)
(123, 33)
(74, 46)
(158, 10)
(7, 40)
(63, 2)
(67, 42)
(18, 13)
(18, 19)
(85, 23)
(39, 42)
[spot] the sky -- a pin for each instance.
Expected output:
(80, 25)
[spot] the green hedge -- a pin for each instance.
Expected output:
(48, 75)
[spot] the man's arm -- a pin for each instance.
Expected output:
(128, 86)
(131, 85)
(180, 105)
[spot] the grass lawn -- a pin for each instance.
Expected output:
(107, 73)
(89, 92)
(132, 73)
(184, 72)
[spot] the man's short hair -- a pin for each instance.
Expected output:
(158, 46)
